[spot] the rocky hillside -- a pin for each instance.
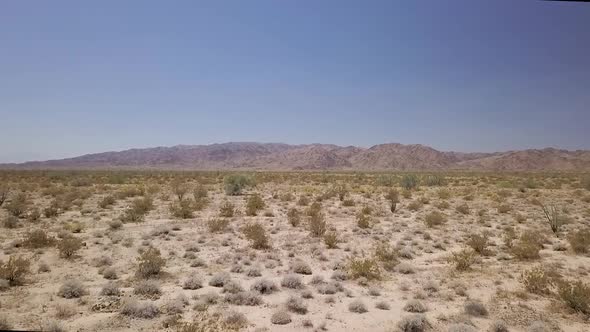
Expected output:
(274, 156)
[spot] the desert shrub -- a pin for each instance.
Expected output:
(254, 204)
(463, 208)
(580, 240)
(150, 263)
(192, 282)
(553, 217)
(227, 210)
(14, 270)
(387, 255)
(462, 260)
(110, 273)
(393, 197)
(435, 218)
(498, 326)
(434, 180)
(331, 240)
(414, 323)
(131, 215)
(263, 286)
(363, 220)
(206, 321)
(292, 281)
(504, 208)
(110, 289)
(68, 246)
(280, 317)
(357, 306)
(575, 295)
(179, 188)
(537, 280)
(217, 225)
(461, 327)
(303, 201)
(219, 279)
(10, 222)
(415, 306)
(182, 209)
(301, 267)
(107, 201)
(314, 209)
(475, 308)
(71, 289)
(415, 205)
(235, 184)
(478, 243)
(382, 305)
(294, 217)
(295, 304)
(33, 215)
(232, 287)
(348, 202)
(18, 205)
(257, 236)
(317, 224)
(367, 268)
(51, 211)
(4, 191)
(147, 288)
(146, 310)
(248, 298)
(409, 182)
(200, 192)
(527, 246)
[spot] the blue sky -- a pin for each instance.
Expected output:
(89, 76)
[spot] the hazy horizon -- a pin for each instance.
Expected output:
(81, 78)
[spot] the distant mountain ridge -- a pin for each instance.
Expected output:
(278, 156)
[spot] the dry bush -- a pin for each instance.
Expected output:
(295, 304)
(68, 246)
(478, 243)
(206, 321)
(110, 289)
(575, 295)
(227, 210)
(294, 217)
(15, 270)
(580, 241)
(148, 288)
(107, 201)
(415, 205)
(182, 209)
(219, 279)
(71, 289)
(462, 260)
(414, 323)
(393, 197)
(435, 218)
(367, 268)
(254, 204)
(4, 191)
(317, 224)
(504, 208)
(179, 188)
(475, 308)
(18, 205)
(331, 240)
(248, 298)
(280, 317)
(135, 309)
(264, 286)
(10, 222)
(357, 306)
(257, 236)
(387, 255)
(554, 217)
(538, 280)
(301, 267)
(292, 281)
(527, 246)
(235, 184)
(150, 263)
(463, 208)
(217, 225)
(363, 220)
(64, 311)
(409, 182)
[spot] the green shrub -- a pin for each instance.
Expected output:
(37, 239)
(217, 225)
(331, 240)
(150, 263)
(182, 209)
(393, 197)
(537, 280)
(256, 234)
(18, 205)
(317, 224)
(387, 255)
(363, 220)
(527, 246)
(478, 243)
(235, 184)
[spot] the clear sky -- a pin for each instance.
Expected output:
(90, 76)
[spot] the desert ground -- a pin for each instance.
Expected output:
(294, 251)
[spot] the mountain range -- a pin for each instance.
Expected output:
(278, 156)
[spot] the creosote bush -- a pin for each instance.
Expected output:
(38, 239)
(257, 236)
(317, 224)
(217, 225)
(182, 209)
(294, 217)
(435, 218)
(331, 240)
(576, 295)
(409, 182)
(538, 280)
(254, 204)
(462, 260)
(227, 210)
(364, 267)
(528, 245)
(150, 263)
(580, 241)
(235, 184)
(71, 289)
(18, 205)
(68, 246)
